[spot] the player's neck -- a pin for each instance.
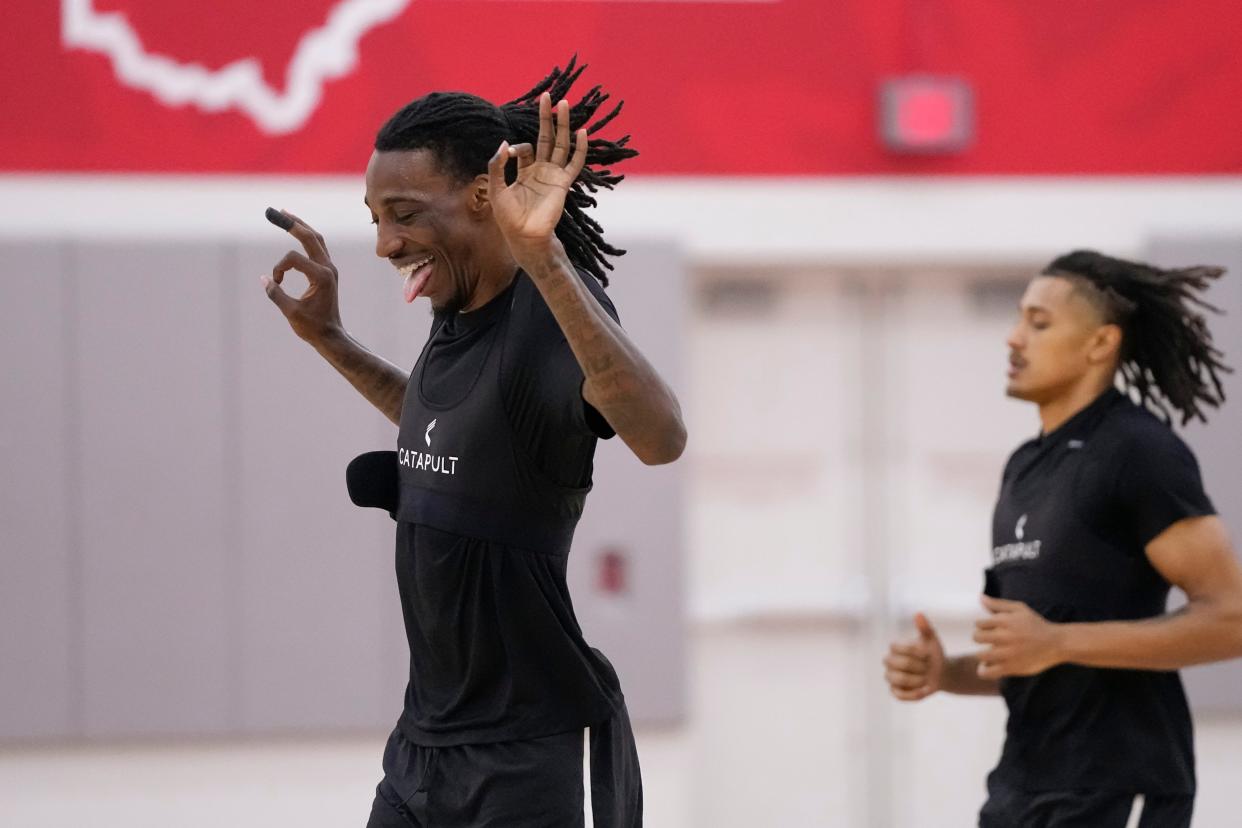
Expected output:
(491, 284)
(1056, 412)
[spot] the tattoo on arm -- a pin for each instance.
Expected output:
(378, 380)
(620, 382)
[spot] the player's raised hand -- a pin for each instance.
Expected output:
(316, 312)
(529, 209)
(915, 669)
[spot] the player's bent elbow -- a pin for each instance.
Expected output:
(668, 449)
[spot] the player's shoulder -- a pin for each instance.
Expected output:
(531, 309)
(1129, 423)
(1132, 431)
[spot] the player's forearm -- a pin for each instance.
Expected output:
(378, 380)
(1201, 632)
(961, 678)
(620, 382)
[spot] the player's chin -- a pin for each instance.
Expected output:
(1019, 391)
(442, 303)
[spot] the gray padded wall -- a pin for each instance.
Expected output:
(38, 571)
(155, 566)
(179, 555)
(318, 603)
(1217, 687)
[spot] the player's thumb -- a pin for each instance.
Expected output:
(277, 294)
(927, 633)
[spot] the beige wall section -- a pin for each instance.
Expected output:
(790, 444)
(774, 378)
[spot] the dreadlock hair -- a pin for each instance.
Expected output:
(1167, 357)
(464, 130)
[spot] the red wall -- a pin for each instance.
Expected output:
(785, 87)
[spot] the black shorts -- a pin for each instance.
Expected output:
(525, 784)
(1009, 808)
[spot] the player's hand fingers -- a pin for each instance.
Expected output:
(911, 650)
(927, 632)
(990, 637)
(917, 694)
(543, 145)
(905, 663)
(525, 155)
(903, 680)
(560, 150)
(496, 171)
(1000, 605)
(295, 260)
(312, 241)
(578, 160)
(277, 294)
(997, 654)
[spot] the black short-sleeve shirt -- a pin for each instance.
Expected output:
(495, 460)
(1077, 508)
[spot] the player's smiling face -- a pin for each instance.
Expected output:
(1058, 340)
(430, 225)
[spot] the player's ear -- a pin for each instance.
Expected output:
(477, 198)
(1105, 343)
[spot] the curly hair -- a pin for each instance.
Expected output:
(464, 130)
(1167, 356)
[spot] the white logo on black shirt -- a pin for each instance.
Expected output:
(426, 461)
(1023, 550)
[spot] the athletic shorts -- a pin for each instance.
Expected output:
(534, 783)
(1009, 808)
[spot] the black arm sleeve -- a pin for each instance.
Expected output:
(1159, 484)
(543, 390)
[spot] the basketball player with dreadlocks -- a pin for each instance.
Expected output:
(1097, 517)
(482, 209)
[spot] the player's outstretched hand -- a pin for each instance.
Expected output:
(316, 313)
(529, 209)
(915, 669)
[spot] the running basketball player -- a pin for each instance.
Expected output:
(482, 209)
(1097, 517)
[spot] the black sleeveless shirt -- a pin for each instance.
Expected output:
(1077, 508)
(494, 459)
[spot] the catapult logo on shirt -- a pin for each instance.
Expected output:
(426, 461)
(1021, 550)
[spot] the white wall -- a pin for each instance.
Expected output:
(868, 220)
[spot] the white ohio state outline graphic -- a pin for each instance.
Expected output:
(322, 54)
